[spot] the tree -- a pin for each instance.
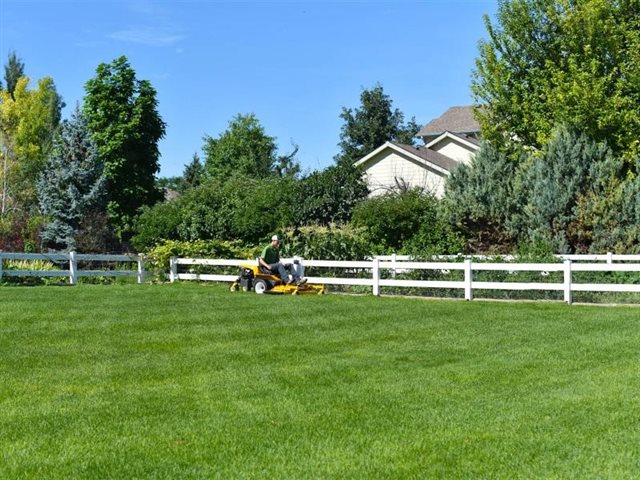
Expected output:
(329, 196)
(553, 62)
(371, 125)
(193, 173)
(245, 149)
(72, 186)
(28, 122)
(122, 115)
(13, 70)
(559, 180)
(483, 199)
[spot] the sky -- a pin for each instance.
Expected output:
(294, 64)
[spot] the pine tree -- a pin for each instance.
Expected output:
(13, 70)
(558, 180)
(193, 173)
(72, 186)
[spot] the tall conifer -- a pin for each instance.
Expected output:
(72, 185)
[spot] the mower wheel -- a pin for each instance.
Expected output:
(260, 286)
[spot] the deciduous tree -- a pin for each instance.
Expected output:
(553, 62)
(245, 149)
(372, 124)
(122, 115)
(28, 121)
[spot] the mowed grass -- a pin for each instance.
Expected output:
(192, 381)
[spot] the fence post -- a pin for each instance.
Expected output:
(609, 258)
(567, 281)
(468, 280)
(73, 268)
(141, 268)
(173, 269)
(376, 276)
(393, 260)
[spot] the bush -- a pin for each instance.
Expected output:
(329, 196)
(157, 257)
(408, 222)
(20, 232)
(326, 243)
(39, 265)
(242, 209)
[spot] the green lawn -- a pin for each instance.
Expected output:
(192, 381)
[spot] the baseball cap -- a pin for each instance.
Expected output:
(275, 237)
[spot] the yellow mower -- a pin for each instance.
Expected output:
(256, 278)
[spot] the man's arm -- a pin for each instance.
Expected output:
(263, 263)
(262, 257)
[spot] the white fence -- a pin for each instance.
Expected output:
(72, 259)
(570, 265)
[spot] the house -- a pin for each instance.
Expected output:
(449, 140)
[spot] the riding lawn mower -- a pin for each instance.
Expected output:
(256, 278)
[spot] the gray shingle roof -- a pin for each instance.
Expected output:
(430, 155)
(455, 120)
(469, 139)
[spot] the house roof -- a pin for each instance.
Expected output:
(429, 155)
(455, 120)
(470, 142)
(468, 138)
(435, 159)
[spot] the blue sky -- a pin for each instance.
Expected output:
(294, 64)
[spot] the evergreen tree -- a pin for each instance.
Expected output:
(13, 70)
(72, 185)
(193, 173)
(123, 118)
(559, 180)
(371, 125)
(483, 199)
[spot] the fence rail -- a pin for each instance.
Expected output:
(608, 257)
(375, 266)
(72, 259)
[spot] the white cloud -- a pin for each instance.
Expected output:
(150, 36)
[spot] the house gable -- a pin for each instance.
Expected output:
(391, 164)
(456, 147)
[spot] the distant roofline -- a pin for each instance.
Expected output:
(458, 119)
(423, 155)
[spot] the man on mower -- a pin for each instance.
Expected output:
(270, 259)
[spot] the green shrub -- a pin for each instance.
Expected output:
(329, 196)
(326, 243)
(242, 209)
(408, 222)
(157, 258)
(36, 265)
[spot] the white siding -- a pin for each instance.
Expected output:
(383, 169)
(455, 150)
